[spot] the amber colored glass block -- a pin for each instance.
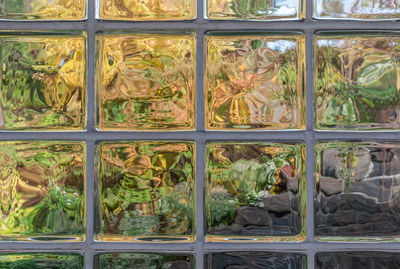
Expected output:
(42, 190)
(357, 259)
(255, 10)
(35, 260)
(137, 10)
(357, 191)
(66, 10)
(146, 81)
(254, 191)
(254, 81)
(357, 9)
(146, 191)
(144, 260)
(357, 80)
(43, 81)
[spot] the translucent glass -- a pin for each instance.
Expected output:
(357, 80)
(41, 260)
(146, 81)
(254, 191)
(146, 191)
(43, 81)
(357, 9)
(42, 190)
(254, 81)
(357, 191)
(255, 10)
(67, 10)
(357, 259)
(144, 261)
(137, 10)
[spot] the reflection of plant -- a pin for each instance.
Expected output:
(141, 261)
(222, 208)
(253, 8)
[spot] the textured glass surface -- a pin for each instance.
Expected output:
(137, 10)
(253, 191)
(42, 190)
(352, 260)
(42, 9)
(255, 260)
(43, 81)
(255, 9)
(146, 81)
(146, 191)
(41, 260)
(255, 81)
(144, 261)
(358, 191)
(357, 81)
(357, 9)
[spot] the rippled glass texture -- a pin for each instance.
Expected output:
(358, 191)
(144, 261)
(357, 80)
(254, 81)
(66, 10)
(357, 9)
(255, 260)
(255, 9)
(357, 259)
(253, 191)
(146, 191)
(157, 10)
(42, 190)
(43, 81)
(146, 81)
(41, 261)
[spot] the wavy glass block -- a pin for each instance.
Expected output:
(255, 81)
(43, 81)
(42, 190)
(33, 260)
(357, 9)
(64, 10)
(146, 81)
(146, 191)
(357, 259)
(357, 80)
(254, 191)
(357, 191)
(144, 260)
(255, 259)
(255, 10)
(136, 10)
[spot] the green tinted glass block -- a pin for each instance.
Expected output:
(144, 261)
(357, 80)
(255, 191)
(41, 261)
(42, 190)
(43, 81)
(146, 191)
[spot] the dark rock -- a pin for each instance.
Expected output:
(361, 203)
(329, 204)
(377, 187)
(279, 203)
(296, 202)
(345, 217)
(330, 185)
(247, 215)
(290, 219)
(180, 265)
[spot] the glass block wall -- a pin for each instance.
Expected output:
(209, 134)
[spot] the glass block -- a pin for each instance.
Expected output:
(136, 10)
(71, 10)
(254, 81)
(357, 259)
(255, 10)
(357, 191)
(42, 190)
(254, 191)
(33, 260)
(357, 10)
(255, 260)
(146, 191)
(144, 260)
(43, 81)
(357, 80)
(146, 81)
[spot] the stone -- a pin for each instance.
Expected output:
(330, 185)
(247, 215)
(279, 203)
(329, 204)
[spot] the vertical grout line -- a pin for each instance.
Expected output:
(91, 67)
(200, 100)
(200, 165)
(200, 12)
(90, 201)
(311, 259)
